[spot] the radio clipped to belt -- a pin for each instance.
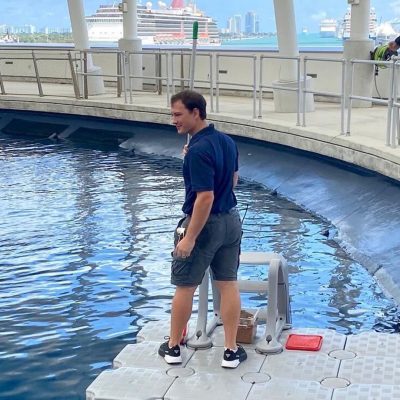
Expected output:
(180, 231)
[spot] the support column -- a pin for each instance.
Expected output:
(131, 42)
(286, 101)
(358, 47)
(81, 40)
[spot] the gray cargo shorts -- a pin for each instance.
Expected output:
(217, 247)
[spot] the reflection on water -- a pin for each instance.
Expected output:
(85, 242)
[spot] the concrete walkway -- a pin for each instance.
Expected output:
(365, 146)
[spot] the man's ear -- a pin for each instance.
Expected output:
(196, 112)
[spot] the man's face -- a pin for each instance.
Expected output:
(185, 121)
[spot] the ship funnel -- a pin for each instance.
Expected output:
(178, 4)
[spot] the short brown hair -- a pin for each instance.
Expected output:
(191, 100)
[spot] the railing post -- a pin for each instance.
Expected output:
(254, 87)
(2, 85)
(39, 83)
(299, 90)
(304, 90)
(217, 83)
(73, 76)
(260, 86)
(343, 97)
(211, 83)
(390, 107)
(128, 74)
(349, 98)
(119, 73)
(158, 70)
(85, 77)
(168, 80)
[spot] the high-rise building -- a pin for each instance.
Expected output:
(252, 23)
(237, 24)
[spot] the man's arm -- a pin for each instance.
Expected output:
(201, 212)
(235, 178)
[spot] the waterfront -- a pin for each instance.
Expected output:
(78, 250)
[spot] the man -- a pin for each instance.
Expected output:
(385, 52)
(212, 227)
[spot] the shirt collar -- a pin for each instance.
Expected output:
(203, 132)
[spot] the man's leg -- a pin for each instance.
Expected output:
(180, 312)
(230, 310)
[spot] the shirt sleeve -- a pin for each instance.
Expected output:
(202, 172)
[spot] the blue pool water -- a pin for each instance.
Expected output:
(85, 242)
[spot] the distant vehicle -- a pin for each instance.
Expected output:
(165, 25)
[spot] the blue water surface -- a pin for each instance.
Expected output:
(85, 242)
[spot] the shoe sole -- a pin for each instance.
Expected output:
(173, 360)
(230, 364)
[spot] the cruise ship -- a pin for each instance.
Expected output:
(346, 25)
(163, 25)
(328, 28)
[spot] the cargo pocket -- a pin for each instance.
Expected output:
(180, 270)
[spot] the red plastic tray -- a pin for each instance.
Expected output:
(304, 342)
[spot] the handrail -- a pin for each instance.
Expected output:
(389, 102)
(341, 95)
(188, 53)
(261, 86)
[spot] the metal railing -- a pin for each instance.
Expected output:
(186, 81)
(278, 87)
(388, 102)
(165, 67)
(157, 77)
(341, 95)
(253, 86)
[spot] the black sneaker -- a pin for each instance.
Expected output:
(170, 355)
(233, 358)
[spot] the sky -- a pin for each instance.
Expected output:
(54, 13)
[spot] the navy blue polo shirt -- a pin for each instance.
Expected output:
(209, 165)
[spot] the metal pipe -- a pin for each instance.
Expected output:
(2, 85)
(119, 72)
(304, 90)
(299, 91)
(123, 81)
(395, 110)
(73, 76)
(39, 83)
(260, 90)
(168, 82)
(157, 59)
(217, 83)
(254, 87)
(390, 107)
(211, 84)
(85, 77)
(128, 73)
(193, 56)
(343, 97)
(350, 100)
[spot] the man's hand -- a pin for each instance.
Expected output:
(184, 248)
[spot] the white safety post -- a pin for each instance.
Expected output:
(284, 100)
(358, 47)
(131, 43)
(81, 40)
